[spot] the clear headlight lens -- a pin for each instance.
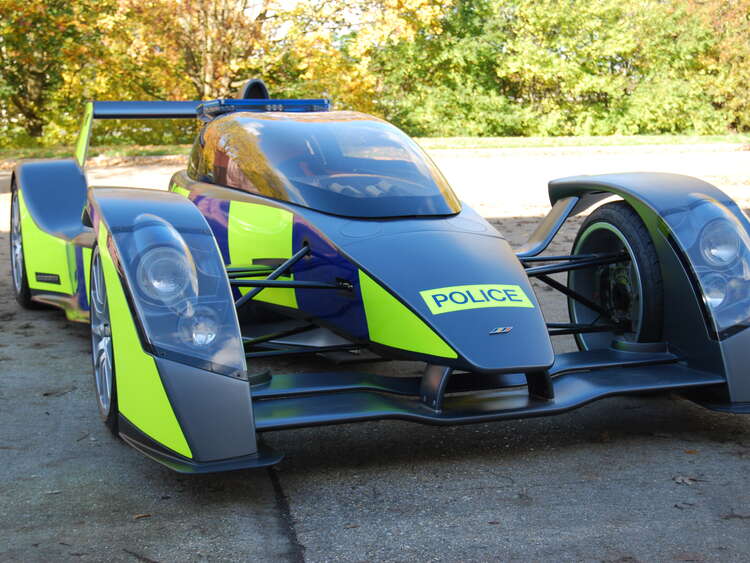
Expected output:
(720, 243)
(165, 275)
(715, 288)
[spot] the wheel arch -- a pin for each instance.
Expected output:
(52, 196)
(671, 206)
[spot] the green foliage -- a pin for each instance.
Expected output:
(44, 49)
(434, 68)
(555, 67)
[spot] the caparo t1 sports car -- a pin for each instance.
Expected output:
(299, 230)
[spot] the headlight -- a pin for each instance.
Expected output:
(720, 243)
(180, 289)
(715, 289)
(165, 275)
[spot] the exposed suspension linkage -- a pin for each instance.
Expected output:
(296, 257)
(272, 279)
(560, 329)
(575, 263)
(566, 264)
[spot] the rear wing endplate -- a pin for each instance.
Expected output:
(129, 110)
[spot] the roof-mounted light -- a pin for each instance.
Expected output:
(209, 110)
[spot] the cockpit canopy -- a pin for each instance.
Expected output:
(343, 163)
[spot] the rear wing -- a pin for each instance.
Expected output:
(204, 111)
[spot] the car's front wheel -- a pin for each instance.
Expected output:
(102, 349)
(627, 294)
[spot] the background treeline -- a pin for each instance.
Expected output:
(435, 68)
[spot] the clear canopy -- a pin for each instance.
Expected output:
(344, 163)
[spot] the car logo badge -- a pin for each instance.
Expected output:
(501, 330)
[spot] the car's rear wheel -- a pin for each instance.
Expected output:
(21, 288)
(629, 294)
(102, 349)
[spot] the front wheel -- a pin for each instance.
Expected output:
(102, 349)
(628, 294)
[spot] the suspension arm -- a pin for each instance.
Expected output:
(560, 329)
(565, 290)
(600, 260)
(296, 257)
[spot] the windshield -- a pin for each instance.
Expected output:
(343, 163)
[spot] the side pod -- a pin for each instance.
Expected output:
(181, 383)
(52, 196)
(684, 215)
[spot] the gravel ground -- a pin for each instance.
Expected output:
(625, 479)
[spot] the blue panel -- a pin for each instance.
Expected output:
(342, 309)
(216, 212)
(208, 110)
(81, 294)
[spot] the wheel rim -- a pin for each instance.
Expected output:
(101, 337)
(616, 287)
(16, 244)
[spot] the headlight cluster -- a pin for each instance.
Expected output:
(182, 294)
(719, 247)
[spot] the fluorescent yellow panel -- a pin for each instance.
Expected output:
(140, 394)
(391, 323)
(261, 231)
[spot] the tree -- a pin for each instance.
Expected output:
(39, 42)
(213, 44)
(553, 67)
(728, 64)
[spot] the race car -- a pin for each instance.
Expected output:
(298, 230)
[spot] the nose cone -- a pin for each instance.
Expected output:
(471, 289)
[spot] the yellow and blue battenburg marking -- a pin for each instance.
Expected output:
(462, 297)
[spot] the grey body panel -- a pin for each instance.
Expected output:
(214, 411)
(456, 250)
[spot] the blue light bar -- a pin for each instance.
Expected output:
(209, 110)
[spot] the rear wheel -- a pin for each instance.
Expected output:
(17, 267)
(629, 294)
(102, 349)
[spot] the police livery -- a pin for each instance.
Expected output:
(297, 230)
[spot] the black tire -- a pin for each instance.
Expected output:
(19, 281)
(631, 293)
(101, 341)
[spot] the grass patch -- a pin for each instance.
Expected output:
(108, 151)
(555, 142)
